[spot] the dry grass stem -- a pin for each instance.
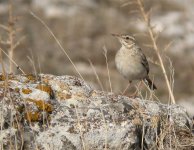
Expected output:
(106, 58)
(11, 35)
(10, 31)
(171, 69)
(4, 27)
(33, 64)
(97, 77)
(168, 46)
(17, 66)
(18, 42)
(2, 64)
(128, 3)
(151, 92)
(59, 44)
(146, 17)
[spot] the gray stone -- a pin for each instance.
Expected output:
(64, 113)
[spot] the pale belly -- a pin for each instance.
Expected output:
(130, 67)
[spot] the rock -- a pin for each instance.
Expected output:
(10, 139)
(64, 113)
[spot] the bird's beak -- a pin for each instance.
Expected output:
(116, 35)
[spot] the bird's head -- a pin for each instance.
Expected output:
(125, 39)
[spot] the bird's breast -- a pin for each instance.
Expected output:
(129, 65)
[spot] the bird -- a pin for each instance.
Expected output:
(131, 62)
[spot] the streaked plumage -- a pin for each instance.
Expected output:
(131, 61)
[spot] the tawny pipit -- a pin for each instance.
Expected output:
(131, 62)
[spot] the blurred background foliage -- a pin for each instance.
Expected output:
(84, 27)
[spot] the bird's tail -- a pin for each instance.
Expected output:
(150, 84)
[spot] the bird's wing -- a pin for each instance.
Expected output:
(145, 63)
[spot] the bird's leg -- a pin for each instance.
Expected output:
(136, 91)
(128, 85)
(140, 84)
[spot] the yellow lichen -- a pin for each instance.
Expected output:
(26, 91)
(32, 116)
(45, 88)
(8, 77)
(41, 105)
(31, 77)
(45, 80)
(2, 77)
(63, 96)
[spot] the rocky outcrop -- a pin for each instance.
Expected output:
(63, 112)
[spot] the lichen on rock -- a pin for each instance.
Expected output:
(63, 112)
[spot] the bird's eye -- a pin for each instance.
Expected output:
(127, 38)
